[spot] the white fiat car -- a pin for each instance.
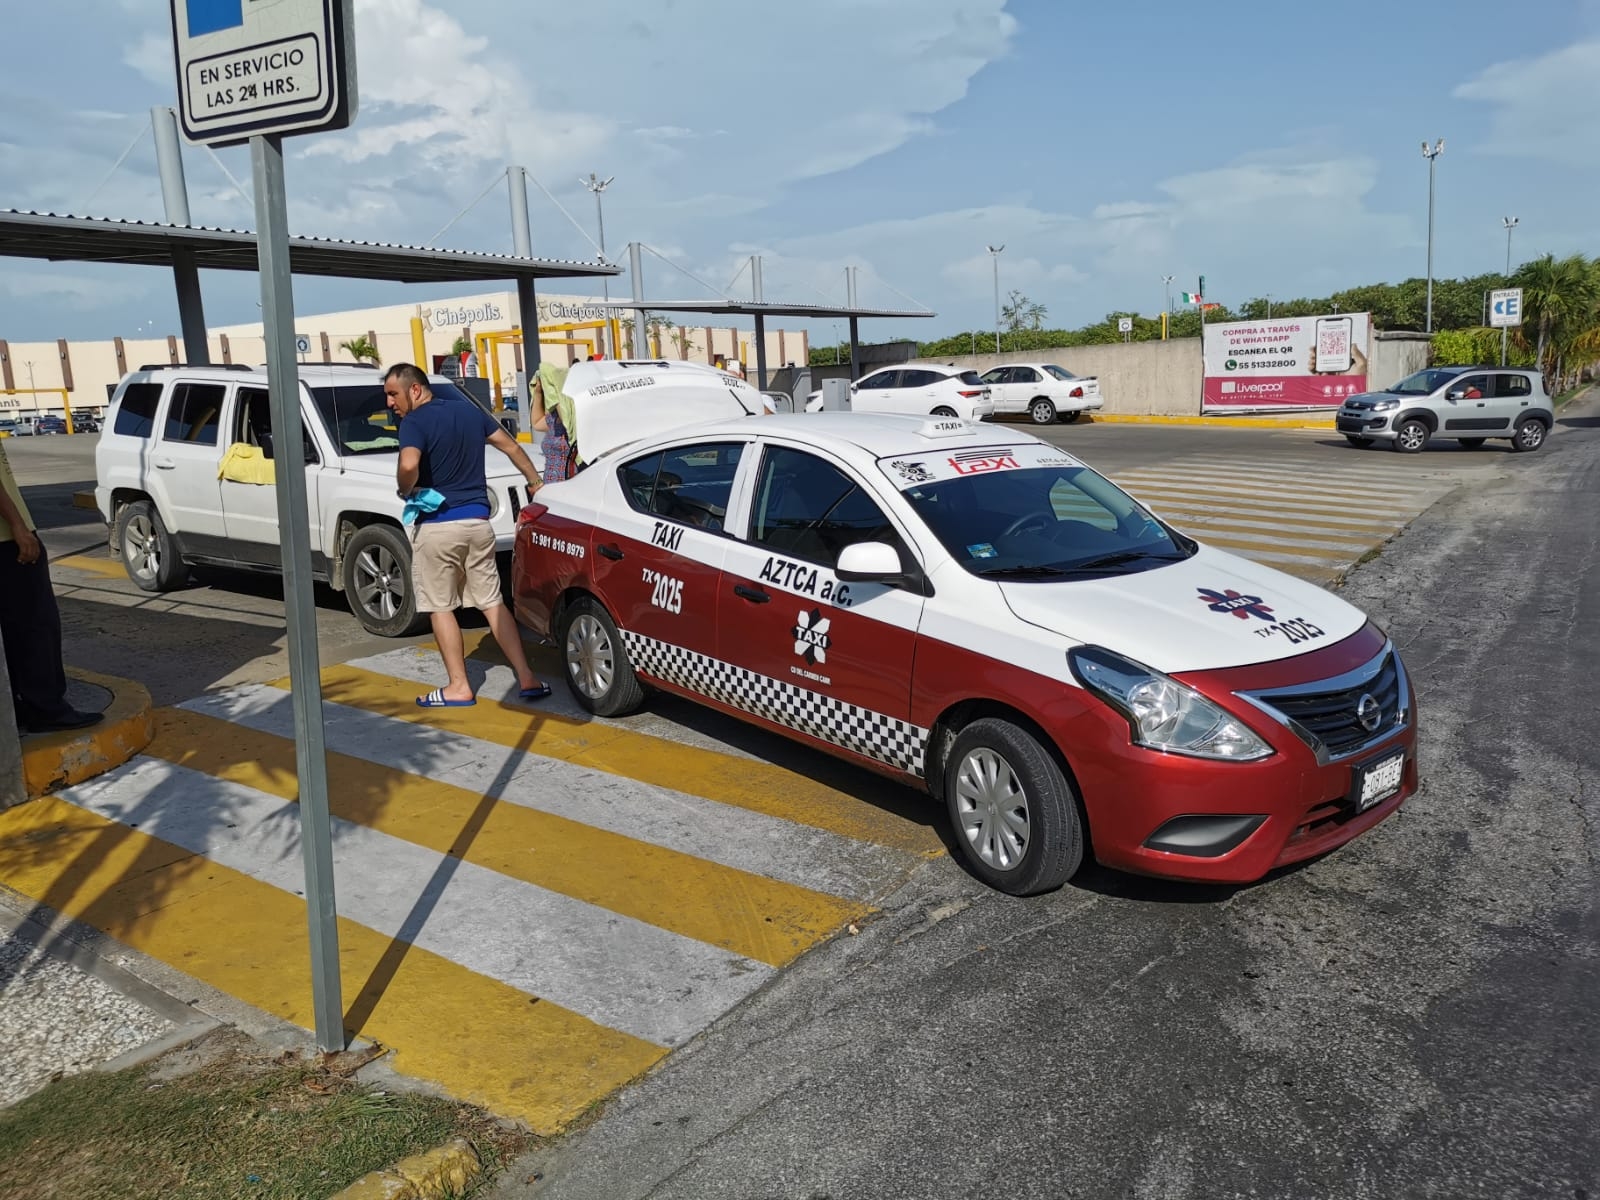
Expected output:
(973, 611)
(1044, 391)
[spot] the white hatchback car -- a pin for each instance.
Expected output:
(919, 391)
(1042, 390)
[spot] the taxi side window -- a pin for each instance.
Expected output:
(807, 508)
(691, 484)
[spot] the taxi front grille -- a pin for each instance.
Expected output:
(1334, 718)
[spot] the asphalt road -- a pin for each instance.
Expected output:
(1412, 1016)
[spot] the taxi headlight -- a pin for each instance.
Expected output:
(1163, 714)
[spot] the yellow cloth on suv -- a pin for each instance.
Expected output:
(9, 482)
(244, 463)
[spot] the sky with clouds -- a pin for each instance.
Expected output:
(1274, 149)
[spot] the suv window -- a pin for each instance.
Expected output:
(883, 379)
(136, 415)
(1475, 387)
(808, 508)
(970, 378)
(193, 413)
(916, 379)
(691, 484)
(1512, 385)
(357, 415)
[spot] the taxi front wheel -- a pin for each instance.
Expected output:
(1012, 809)
(596, 661)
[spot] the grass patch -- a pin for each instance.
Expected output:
(237, 1126)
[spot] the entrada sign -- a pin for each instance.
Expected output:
(250, 67)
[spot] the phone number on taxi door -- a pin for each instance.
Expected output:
(560, 545)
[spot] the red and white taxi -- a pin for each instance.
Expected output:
(973, 610)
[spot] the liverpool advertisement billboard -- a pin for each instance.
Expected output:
(1285, 363)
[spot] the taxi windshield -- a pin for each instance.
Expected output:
(1002, 518)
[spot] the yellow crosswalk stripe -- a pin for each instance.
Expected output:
(760, 918)
(899, 819)
(248, 939)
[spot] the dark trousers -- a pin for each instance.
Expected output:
(30, 623)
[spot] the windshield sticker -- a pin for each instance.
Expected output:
(1297, 630)
(910, 471)
(1235, 603)
(981, 550)
(806, 580)
(977, 462)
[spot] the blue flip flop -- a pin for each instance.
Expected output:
(435, 699)
(534, 693)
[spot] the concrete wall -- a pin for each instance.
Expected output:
(1136, 378)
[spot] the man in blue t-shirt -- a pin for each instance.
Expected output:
(452, 548)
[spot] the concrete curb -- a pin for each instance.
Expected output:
(53, 761)
(447, 1170)
(1290, 422)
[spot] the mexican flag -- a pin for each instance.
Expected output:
(1192, 298)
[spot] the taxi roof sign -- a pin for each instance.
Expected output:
(248, 67)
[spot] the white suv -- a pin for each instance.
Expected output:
(185, 468)
(919, 391)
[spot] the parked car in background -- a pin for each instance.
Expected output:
(1045, 391)
(8, 427)
(85, 422)
(50, 425)
(1470, 404)
(919, 391)
(23, 426)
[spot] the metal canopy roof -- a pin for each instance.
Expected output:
(763, 309)
(94, 239)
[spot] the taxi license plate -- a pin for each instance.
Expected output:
(1377, 781)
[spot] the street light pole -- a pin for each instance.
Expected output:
(598, 186)
(994, 252)
(1505, 334)
(1431, 156)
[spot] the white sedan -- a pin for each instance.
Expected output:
(1042, 390)
(975, 612)
(918, 391)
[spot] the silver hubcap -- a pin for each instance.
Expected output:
(141, 548)
(380, 586)
(591, 658)
(993, 809)
(1042, 413)
(1411, 437)
(1531, 434)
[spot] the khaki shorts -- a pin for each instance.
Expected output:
(452, 563)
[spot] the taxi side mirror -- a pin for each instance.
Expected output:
(1456, 394)
(869, 562)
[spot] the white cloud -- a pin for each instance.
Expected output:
(151, 56)
(1541, 107)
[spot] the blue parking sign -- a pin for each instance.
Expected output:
(213, 16)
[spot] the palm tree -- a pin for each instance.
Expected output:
(361, 349)
(1558, 298)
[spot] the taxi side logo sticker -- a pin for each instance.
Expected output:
(1239, 605)
(811, 640)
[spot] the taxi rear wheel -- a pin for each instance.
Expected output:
(596, 660)
(1012, 809)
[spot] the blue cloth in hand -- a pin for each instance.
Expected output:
(423, 500)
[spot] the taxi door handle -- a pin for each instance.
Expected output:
(754, 595)
(610, 552)
(164, 464)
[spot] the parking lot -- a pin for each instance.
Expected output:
(633, 879)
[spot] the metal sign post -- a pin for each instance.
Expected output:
(257, 70)
(1505, 311)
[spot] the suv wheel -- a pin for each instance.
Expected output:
(1012, 811)
(1042, 412)
(1410, 436)
(149, 554)
(377, 582)
(944, 410)
(1529, 435)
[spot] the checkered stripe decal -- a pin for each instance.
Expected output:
(887, 739)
